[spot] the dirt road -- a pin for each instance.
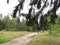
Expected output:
(21, 40)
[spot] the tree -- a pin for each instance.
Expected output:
(6, 20)
(18, 24)
(2, 24)
(32, 19)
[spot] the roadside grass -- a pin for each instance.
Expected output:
(44, 38)
(6, 36)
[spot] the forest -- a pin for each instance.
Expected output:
(41, 23)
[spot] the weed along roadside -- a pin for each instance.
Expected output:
(44, 38)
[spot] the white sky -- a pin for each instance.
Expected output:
(6, 9)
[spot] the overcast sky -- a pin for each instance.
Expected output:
(6, 9)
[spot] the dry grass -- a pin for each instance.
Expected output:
(45, 39)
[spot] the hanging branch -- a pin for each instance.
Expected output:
(7, 1)
(20, 5)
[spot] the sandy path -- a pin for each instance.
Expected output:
(21, 40)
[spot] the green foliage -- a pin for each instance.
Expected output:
(14, 24)
(2, 24)
(51, 37)
(32, 19)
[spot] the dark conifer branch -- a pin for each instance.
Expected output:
(33, 18)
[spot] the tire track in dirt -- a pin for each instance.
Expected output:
(20, 40)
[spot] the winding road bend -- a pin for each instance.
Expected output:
(20, 40)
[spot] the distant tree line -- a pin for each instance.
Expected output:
(14, 24)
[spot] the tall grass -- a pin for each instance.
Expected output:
(44, 38)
